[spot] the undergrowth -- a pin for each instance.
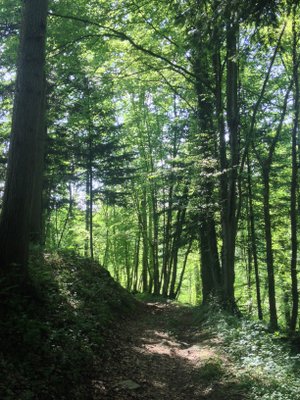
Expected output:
(51, 336)
(265, 365)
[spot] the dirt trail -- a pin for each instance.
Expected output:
(162, 356)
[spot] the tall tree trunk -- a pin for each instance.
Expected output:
(176, 242)
(228, 158)
(269, 248)
(87, 213)
(144, 229)
(37, 234)
(166, 266)
(188, 250)
(294, 183)
(128, 270)
(136, 262)
(229, 224)
(24, 169)
(90, 223)
(154, 216)
(210, 267)
(68, 216)
(266, 163)
(207, 139)
(89, 172)
(253, 243)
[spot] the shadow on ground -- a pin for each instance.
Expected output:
(164, 357)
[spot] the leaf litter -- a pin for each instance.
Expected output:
(161, 355)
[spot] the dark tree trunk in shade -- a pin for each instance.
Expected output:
(37, 234)
(229, 212)
(207, 138)
(210, 267)
(24, 168)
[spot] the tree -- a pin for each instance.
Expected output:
(294, 179)
(194, 92)
(27, 136)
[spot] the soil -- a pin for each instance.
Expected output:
(164, 355)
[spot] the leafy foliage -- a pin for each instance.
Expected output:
(267, 365)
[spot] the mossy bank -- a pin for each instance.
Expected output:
(51, 338)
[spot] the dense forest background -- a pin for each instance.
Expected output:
(170, 147)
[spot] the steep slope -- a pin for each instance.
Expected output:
(51, 335)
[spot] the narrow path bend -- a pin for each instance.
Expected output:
(162, 356)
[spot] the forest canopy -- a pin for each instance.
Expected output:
(159, 138)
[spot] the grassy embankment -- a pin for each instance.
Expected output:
(51, 339)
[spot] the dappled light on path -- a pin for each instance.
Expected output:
(158, 342)
(163, 359)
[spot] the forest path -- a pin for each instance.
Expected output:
(162, 355)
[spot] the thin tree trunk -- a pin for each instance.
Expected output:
(166, 268)
(90, 194)
(253, 243)
(265, 164)
(154, 216)
(89, 242)
(91, 202)
(294, 184)
(180, 221)
(144, 229)
(87, 213)
(177, 291)
(69, 213)
(246, 238)
(136, 262)
(269, 249)
(105, 257)
(127, 267)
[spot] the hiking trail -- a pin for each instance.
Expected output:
(163, 355)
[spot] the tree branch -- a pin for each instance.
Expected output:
(122, 36)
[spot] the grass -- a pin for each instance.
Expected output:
(212, 370)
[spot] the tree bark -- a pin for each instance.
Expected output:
(207, 140)
(269, 248)
(253, 243)
(145, 239)
(136, 262)
(294, 184)
(176, 242)
(229, 222)
(166, 266)
(183, 269)
(266, 163)
(37, 234)
(24, 169)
